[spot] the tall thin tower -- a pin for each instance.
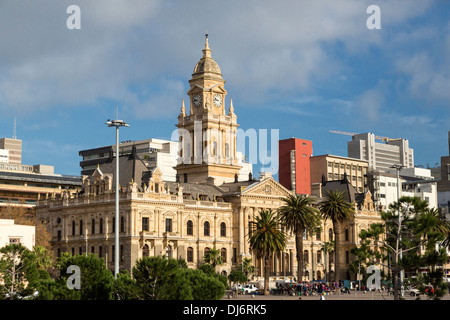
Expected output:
(14, 132)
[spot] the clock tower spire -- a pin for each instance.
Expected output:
(208, 134)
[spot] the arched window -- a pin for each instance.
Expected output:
(145, 251)
(318, 235)
(223, 229)
(206, 228)
(347, 256)
(190, 254)
(227, 150)
(346, 235)
(205, 251)
(223, 254)
(81, 227)
(330, 234)
(306, 256)
(319, 256)
(101, 225)
(73, 228)
(93, 226)
(190, 228)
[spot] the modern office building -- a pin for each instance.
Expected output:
(14, 148)
(22, 184)
(414, 182)
(294, 164)
(330, 167)
(381, 156)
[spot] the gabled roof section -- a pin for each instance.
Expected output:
(266, 187)
(343, 185)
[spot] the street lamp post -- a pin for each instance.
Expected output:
(399, 167)
(117, 124)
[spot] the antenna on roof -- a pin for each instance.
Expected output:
(14, 132)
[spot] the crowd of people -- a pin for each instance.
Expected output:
(306, 288)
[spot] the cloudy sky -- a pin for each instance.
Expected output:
(300, 67)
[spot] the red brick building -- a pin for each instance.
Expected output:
(294, 164)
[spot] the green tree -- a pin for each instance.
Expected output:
(248, 267)
(213, 257)
(328, 249)
(237, 276)
(368, 252)
(96, 280)
(299, 216)
(266, 239)
(18, 271)
(157, 278)
(125, 287)
(43, 257)
(201, 286)
(335, 208)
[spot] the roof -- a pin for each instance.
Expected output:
(131, 168)
(344, 186)
(39, 178)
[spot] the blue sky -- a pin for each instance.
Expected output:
(301, 67)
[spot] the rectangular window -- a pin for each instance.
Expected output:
(14, 240)
(145, 226)
(168, 225)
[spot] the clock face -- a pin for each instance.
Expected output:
(217, 100)
(197, 100)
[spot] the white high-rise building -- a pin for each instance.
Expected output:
(381, 156)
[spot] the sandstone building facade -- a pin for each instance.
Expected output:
(206, 207)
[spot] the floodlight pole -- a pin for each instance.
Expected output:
(399, 167)
(117, 124)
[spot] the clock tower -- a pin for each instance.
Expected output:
(207, 135)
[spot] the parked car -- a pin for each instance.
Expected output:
(412, 291)
(249, 289)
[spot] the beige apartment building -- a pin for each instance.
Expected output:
(329, 167)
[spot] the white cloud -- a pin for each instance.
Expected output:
(261, 46)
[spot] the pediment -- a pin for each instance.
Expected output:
(156, 174)
(267, 187)
(97, 173)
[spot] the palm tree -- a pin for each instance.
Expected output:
(248, 267)
(433, 229)
(338, 210)
(299, 216)
(266, 240)
(213, 257)
(328, 248)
